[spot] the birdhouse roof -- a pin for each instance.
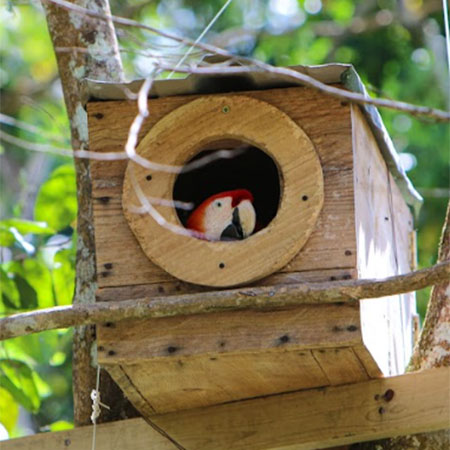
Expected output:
(250, 79)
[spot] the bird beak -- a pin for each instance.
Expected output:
(233, 231)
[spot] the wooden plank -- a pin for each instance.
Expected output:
(203, 380)
(307, 326)
(318, 418)
(327, 124)
(167, 288)
(121, 261)
(190, 361)
(109, 121)
(383, 250)
(341, 365)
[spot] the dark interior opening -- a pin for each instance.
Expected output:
(251, 168)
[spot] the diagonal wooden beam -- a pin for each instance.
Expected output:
(317, 418)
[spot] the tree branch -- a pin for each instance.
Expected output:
(215, 301)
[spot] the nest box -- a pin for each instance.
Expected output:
(332, 204)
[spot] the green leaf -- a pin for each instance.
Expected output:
(9, 292)
(6, 236)
(56, 203)
(27, 226)
(28, 297)
(61, 425)
(17, 378)
(9, 410)
(64, 276)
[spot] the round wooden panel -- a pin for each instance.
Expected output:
(175, 139)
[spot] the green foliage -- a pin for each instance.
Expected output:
(56, 203)
(397, 52)
(40, 273)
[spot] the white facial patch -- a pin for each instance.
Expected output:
(218, 215)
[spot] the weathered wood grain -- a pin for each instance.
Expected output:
(306, 326)
(175, 139)
(107, 294)
(196, 381)
(327, 124)
(121, 261)
(340, 365)
(317, 418)
(383, 225)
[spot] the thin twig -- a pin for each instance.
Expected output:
(354, 97)
(348, 291)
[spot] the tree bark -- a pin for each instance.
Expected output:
(432, 350)
(85, 47)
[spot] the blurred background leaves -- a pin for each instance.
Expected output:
(397, 47)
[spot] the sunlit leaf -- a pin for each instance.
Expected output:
(56, 203)
(6, 236)
(17, 378)
(9, 410)
(64, 276)
(27, 226)
(61, 425)
(8, 288)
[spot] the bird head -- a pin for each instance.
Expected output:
(229, 215)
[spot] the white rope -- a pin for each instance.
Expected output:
(200, 37)
(96, 404)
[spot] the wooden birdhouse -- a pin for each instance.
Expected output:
(331, 202)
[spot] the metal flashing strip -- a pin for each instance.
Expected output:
(195, 84)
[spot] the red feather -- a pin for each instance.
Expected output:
(195, 221)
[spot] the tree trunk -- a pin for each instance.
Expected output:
(85, 47)
(432, 350)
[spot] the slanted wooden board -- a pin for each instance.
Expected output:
(190, 361)
(383, 233)
(317, 418)
(120, 261)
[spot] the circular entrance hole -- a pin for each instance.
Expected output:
(251, 169)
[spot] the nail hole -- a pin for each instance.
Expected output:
(108, 266)
(99, 116)
(104, 200)
(348, 252)
(284, 339)
(388, 395)
(226, 109)
(148, 177)
(381, 410)
(221, 265)
(111, 352)
(304, 198)
(171, 349)
(109, 324)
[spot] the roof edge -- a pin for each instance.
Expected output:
(344, 74)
